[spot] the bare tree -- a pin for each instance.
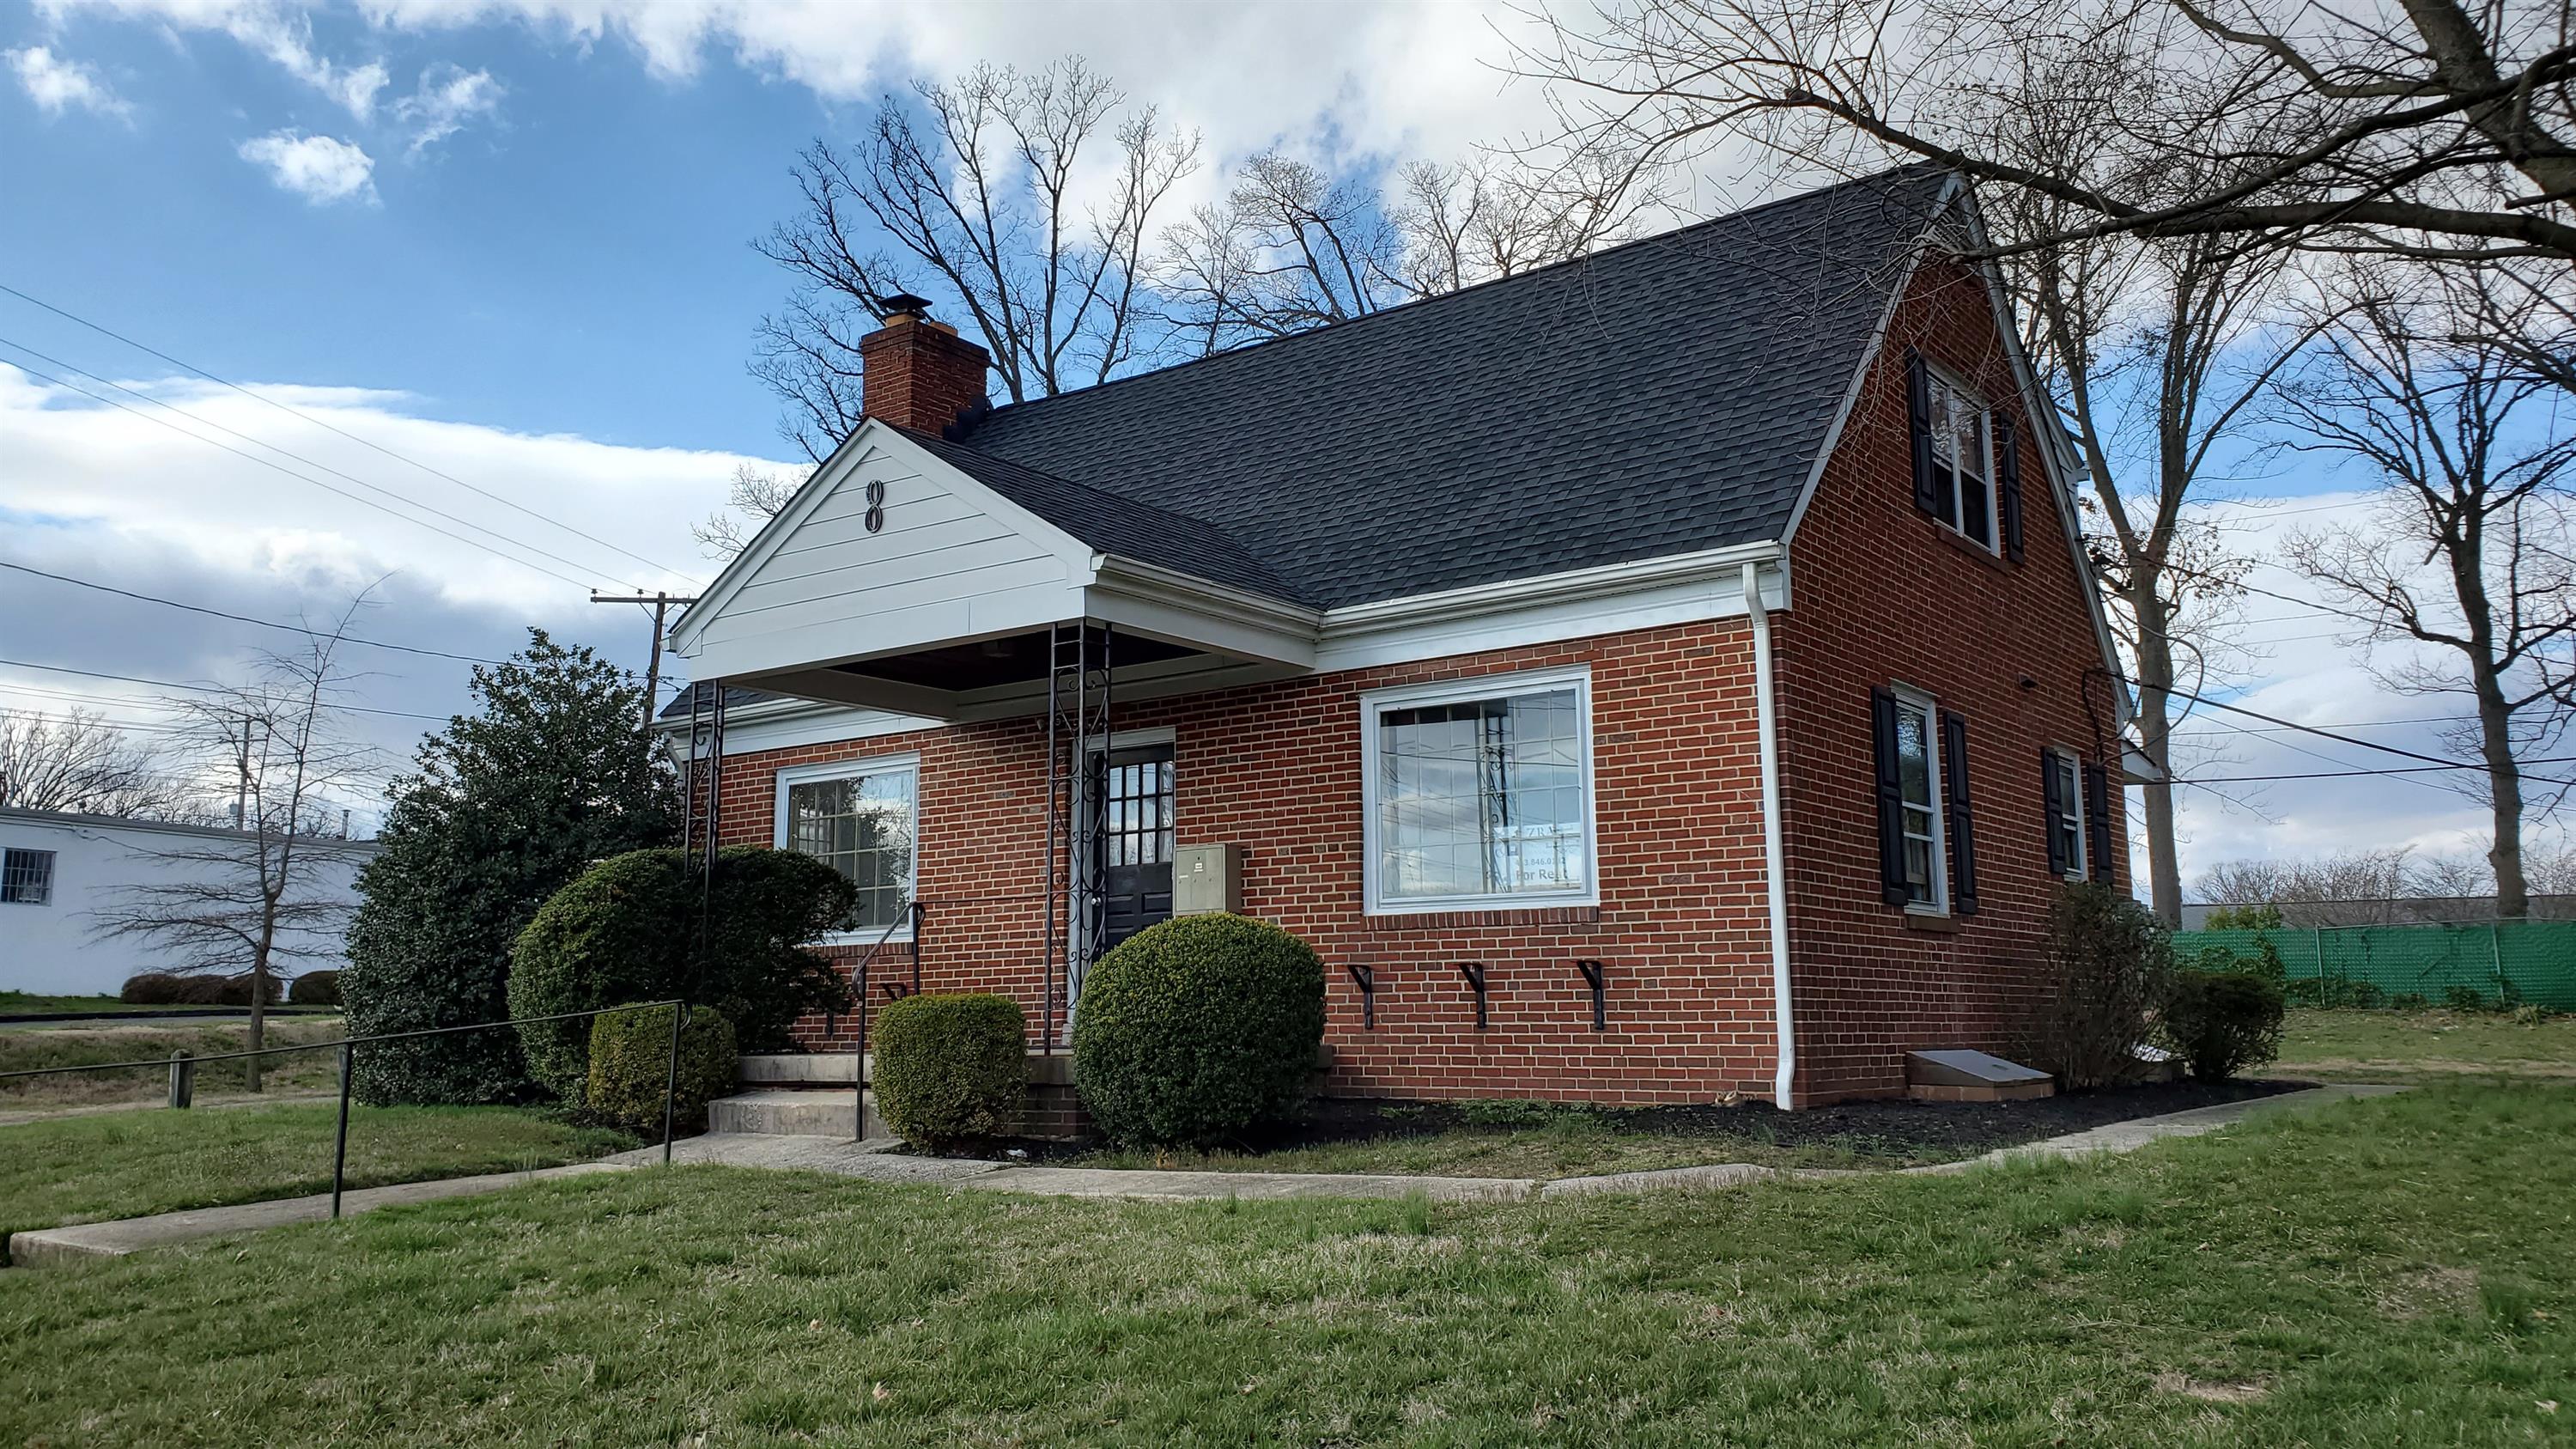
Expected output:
(252, 905)
(1486, 218)
(2435, 124)
(1289, 250)
(756, 496)
(82, 764)
(980, 184)
(2473, 565)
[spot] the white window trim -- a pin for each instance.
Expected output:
(2071, 796)
(1907, 697)
(909, 764)
(1993, 543)
(1453, 691)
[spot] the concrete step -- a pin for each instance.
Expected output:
(798, 1069)
(789, 1113)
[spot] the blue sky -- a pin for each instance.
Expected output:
(509, 241)
(575, 261)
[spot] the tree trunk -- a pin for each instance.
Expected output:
(2504, 788)
(2155, 722)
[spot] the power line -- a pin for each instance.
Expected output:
(2356, 771)
(301, 478)
(2350, 724)
(343, 432)
(298, 457)
(2328, 734)
(208, 689)
(245, 618)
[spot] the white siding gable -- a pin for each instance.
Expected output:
(950, 560)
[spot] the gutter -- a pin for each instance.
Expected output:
(1766, 717)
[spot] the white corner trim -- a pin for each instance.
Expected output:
(1450, 691)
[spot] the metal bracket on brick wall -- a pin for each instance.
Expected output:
(896, 990)
(1365, 978)
(1592, 977)
(1474, 971)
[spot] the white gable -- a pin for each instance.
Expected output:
(946, 560)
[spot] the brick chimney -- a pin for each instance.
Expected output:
(916, 372)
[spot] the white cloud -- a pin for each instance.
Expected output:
(57, 84)
(107, 495)
(321, 169)
(278, 29)
(448, 97)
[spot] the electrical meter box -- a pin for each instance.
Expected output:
(1207, 878)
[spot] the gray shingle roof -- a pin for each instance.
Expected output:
(1660, 397)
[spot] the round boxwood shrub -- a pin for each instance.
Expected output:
(626, 930)
(2221, 1022)
(630, 1065)
(150, 988)
(1197, 1029)
(315, 988)
(950, 1068)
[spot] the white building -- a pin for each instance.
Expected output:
(58, 871)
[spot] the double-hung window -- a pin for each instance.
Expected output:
(862, 818)
(26, 877)
(2065, 804)
(1963, 473)
(1918, 768)
(1478, 794)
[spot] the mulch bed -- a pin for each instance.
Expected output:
(1898, 1128)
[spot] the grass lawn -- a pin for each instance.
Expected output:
(30, 1003)
(129, 1164)
(2395, 1271)
(1537, 1141)
(2403, 1046)
(28, 1048)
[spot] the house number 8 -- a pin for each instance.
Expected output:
(876, 504)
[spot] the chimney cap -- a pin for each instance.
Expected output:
(904, 304)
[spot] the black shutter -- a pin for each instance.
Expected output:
(1918, 427)
(1891, 799)
(2008, 485)
(2097, 822)
(2052, 790)
(1963, 815)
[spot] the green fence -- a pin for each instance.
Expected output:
(2507, 962)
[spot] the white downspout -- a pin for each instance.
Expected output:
(1773, 855)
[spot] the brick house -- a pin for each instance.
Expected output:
(1669, 674)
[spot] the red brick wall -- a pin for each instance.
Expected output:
(1885, 594)
(1275, 768)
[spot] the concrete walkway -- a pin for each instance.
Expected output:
(114, 1240)
(873, 1161)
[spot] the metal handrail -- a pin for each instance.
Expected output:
(913, 915)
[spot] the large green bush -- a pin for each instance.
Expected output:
(626, 930)
(1197, 1029)
(2109, 962)
(950, 1068)
(630, 1067)
(315, 988)
(554, 769)
(2221, 1022)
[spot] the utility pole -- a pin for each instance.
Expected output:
(661, 603)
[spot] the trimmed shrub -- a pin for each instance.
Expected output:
(630, 1064)
(950, 1068)
(151, 988)
(2221, 1022)
(626, 930)
(1198, 1029)
(2263, 917)
(2110, 963)
(315, 988)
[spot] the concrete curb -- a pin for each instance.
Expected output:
(45, 1247)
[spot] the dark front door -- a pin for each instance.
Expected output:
(1136, 840)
